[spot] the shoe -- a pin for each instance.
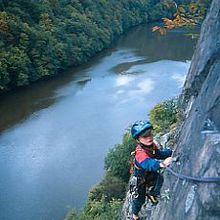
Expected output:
(135, 217)
(153, 199)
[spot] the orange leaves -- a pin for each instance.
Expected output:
(161, 30)
(168, 23)
(185, 16)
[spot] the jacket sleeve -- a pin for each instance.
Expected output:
(163, 153)
(150, 164)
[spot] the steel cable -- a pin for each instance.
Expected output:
(196, 179)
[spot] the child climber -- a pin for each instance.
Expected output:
(146, 166)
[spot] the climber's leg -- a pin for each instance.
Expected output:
(139, 200)
(156, 180)
(135, 217)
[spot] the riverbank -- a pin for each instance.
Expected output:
(41, 39)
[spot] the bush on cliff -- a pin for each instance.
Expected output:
(117, 160)
(164, 114)
(111, 187)
(98, 210)
(105, 199)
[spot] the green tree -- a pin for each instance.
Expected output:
(51, 35)
(164, 115)
(117, 162)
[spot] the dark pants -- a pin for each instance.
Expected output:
(151, 179)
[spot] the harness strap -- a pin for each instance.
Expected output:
(138, 168)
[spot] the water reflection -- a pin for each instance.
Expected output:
(172, 46)
(138, 47)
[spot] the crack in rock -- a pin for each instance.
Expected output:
(190, 198)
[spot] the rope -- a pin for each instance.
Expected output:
(191, 178)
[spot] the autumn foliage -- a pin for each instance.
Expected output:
(186, 15)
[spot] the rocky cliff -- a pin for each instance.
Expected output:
(198, 142)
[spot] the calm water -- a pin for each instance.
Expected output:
(55, 134)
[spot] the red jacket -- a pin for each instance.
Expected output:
(146, 159)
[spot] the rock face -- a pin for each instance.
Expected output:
(199, 140)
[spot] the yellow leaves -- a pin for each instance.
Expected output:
(185, 16)
(168, 23)
(178, 18)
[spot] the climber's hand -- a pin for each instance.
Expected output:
(166, 162)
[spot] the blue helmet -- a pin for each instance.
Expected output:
(138, 127)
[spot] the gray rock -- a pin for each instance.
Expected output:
(198, 138)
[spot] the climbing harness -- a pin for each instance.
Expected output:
(133, 153)
(196, 179)
(136, 181)
(133, 187)
(182, 176)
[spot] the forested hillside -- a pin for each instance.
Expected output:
(40, 38)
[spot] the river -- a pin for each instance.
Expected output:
(56, 133)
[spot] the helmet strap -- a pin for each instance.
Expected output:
(145, 146)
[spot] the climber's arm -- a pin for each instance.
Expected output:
(163, 153)
(150, 164)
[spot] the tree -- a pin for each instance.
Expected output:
(117, 162)
(186, 15)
